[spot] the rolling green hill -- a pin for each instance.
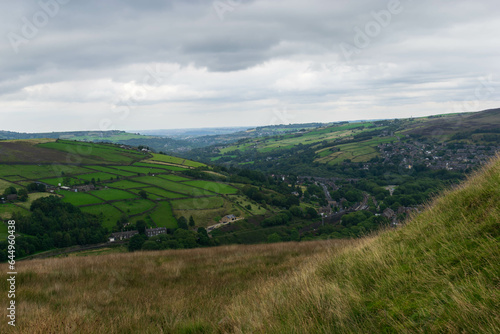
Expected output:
(357, 142)
(116, 176)
(437, 273)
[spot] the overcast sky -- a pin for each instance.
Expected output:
(152, 64)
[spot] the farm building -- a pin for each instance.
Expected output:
(87, 187)
(228, 219)
(150, 232)
(122, 235)
(12, 197)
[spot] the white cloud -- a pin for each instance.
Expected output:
(167, 64)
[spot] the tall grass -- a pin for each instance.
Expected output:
(177, 291)
(438, 273)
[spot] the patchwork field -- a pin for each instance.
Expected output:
(356, 152)
(175, 160)
(198, 203)
(219, 188)
(93, 153)
(113, 194)
(120, 178)
(134, 206)
(163, 216)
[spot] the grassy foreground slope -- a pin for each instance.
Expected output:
(438, 273)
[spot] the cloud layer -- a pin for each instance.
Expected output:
(74, 65)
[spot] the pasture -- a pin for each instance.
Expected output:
(175, 160)
(161, 165)
(111, 170)
(98, 177)
(5, 184)
(173, 186)
(94, 153)
(155, 191)
(163, 217)
(219, 188)
(31, 198)
(38, 171)
(78, 198)
(139, 169)
(243, 201)
(175, 178)
(356, 152)
(112, 194)
(198, 203)
(134, 206)
(126, 184)
(6, 210)
(110, 214)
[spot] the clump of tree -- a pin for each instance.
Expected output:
(54, 224)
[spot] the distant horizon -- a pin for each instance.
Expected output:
(244, 126)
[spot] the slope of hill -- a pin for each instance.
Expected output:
(438, 273)
(109, 180)
(444, 128)
(360, 142)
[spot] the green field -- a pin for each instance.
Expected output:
(99, 176)
(219, 188)
(134, 206)
(172, 186)
(78, 198)
(110, 213)
(95, 153)
(243, 201)
(112, 194)
(174, 178)
(155, 192)
(3, 230)
(33, 197)
(36, 172)
(198, 203)
(163, 216)
(356, 152)
(139, 169)
(111, 170)
(6, 210)
(53, 182)
(175, 160)
(5, 184)
(126, 184)
(160, 165)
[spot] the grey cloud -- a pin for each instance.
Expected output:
(428, 41)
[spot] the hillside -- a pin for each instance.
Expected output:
(437, 273)
(118, 183)
(429, 141)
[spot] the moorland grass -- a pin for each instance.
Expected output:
(176, 291)
(163, 216)
(438, 273)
